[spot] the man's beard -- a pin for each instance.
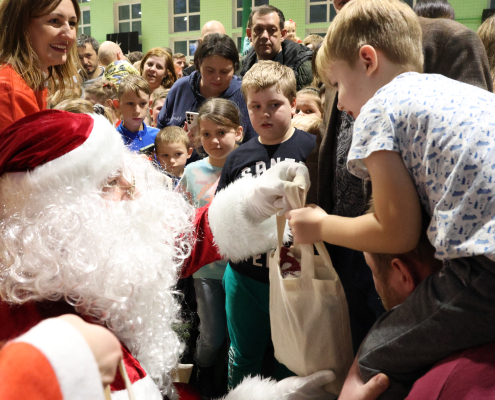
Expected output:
(89, 72)
(117, 263)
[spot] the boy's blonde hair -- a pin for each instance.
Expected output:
(310, 123)
(133, 83)
(390, 26)
(158, 94)
(172, 134)
(265, 74)
(486, 32)
(315, 95)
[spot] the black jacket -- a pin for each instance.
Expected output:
(294, 55)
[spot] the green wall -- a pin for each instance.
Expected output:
(468, 12)
(156, 30)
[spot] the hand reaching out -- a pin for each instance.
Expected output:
(306, 224)
(355, 389)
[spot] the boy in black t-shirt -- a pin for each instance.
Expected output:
(270, 92)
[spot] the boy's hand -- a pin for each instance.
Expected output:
(306, 224)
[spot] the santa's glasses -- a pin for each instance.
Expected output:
(120, 187)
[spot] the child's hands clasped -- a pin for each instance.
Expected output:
(306, 224)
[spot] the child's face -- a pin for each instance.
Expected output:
(270, 113)
(306, 105)
(173, 157)
(156, 110)
(133, 108)
(352, 85)
(218, 141)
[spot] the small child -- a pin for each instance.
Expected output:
(422, 140)
(290, 27)
(133, 101)
(308, 102)
(158, 100)
(172, 150)
(219, 132)
(269, 89)
(104, 93)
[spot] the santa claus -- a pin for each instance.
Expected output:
(89, 228)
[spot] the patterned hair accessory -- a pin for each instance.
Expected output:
(99, 109)
(109, 84)
(292, 21)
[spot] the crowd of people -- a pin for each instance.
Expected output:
(139, 192)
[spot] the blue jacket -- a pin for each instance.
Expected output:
(137, 140)
(185, 96)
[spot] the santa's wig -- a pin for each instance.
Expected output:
(60, 239)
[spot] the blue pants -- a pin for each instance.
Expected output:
(210, 297)
(248, 321)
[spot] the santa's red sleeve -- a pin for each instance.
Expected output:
(52, 361)
(224, 229)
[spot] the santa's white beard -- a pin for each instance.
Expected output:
(116, 262)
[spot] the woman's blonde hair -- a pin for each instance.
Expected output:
(170, 77)
(487, 34)
(17, 51)
(387, 25)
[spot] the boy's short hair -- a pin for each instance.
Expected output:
(133, 83)
(172, 134)
(176, 56)
(158, 94)
(388, 25)
(265, 74)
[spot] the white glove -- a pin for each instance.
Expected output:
(310, 387)
(267, 196)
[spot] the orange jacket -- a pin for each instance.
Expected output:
(17, 99)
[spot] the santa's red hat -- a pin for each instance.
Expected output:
(55, 142)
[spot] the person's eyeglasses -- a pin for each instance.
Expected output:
(111, 187)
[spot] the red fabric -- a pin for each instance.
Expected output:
(204, 250)
(186, 391)
(25, 373)
(133, 368)
(17, 99)
(467, 375)
(16, 320)
(42, 137)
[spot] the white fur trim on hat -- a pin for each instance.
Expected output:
(102, 153)
(237, 236)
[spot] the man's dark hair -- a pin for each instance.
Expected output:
(434, 9)
(264, 10)
(216, 44)
(83, 39)
(135, 56)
